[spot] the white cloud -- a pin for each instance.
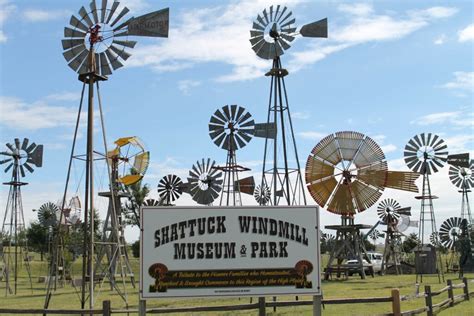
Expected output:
(186, 85)
(300, 115)
(466, 34)
(366, 26)
(6, 10)
(64, 96)
(18, 114)
(388, 148)
(462, 81)
(195, 41)
(356, 8)
(454, 118)
(312, 135)
(440, 40)
(39, 15)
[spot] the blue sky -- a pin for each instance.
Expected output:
(389, 69)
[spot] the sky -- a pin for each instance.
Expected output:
(389, 69)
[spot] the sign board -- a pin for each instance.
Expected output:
(229, 251)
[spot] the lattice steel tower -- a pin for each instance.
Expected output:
(13, 244)
(271, 34)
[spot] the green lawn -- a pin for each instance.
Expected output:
(378, 286)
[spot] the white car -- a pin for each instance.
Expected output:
(375, 262)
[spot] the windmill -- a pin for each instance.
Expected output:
(204, 181)
(270, 36)
(346, 173)
(262, 194)
(390, 213)
(128, 163)
(231, 128)
(48, 218)
(463, 178)
(95, 44)
(426, 154)
(170, 188)
(450, 233)
(18, 157)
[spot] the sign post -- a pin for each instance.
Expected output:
(229, 251)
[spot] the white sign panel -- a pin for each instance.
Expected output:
(229, 251)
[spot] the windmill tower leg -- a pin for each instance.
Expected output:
(277, 173)
(427, 216)
(13, 235)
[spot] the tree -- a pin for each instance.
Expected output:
(136, 249)
(410, 243)
(138, 193)
(38, 238)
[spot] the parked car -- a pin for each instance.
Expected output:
(375, 264)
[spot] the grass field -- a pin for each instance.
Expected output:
(379, 286)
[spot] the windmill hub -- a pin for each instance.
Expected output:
(346, 174)
(274, 31)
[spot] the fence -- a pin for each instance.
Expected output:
(261, 305)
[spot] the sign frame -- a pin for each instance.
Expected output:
(260, 211)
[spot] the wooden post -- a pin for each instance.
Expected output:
(142, 308)
(466, 289)
(106, 307)
(450, 293)
(396, 309)
(428, 300)
(261, 306)
(317, 311)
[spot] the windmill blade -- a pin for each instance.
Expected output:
(76, 23)
(129, 44)
(22, 171)
(104, 65)
(459, 160)
(103, 11)
(17, 144)
(283, 44)
(68, 32)
(8, 167)
(93, 7)
(78, 60)
(85, 17)
(75, 51)
(120, 52)
(112, 11)
(28, 167)
(70, 43)
(315, 29)
(5, 161)
(342, 201)
(116, 64)
(124, 11)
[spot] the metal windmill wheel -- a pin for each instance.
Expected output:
(205, 182)
(170, 188)
(272, 31)
(262, 194)
(132, 159)
(390, 210)
(22, 155)
(106, 30)
(462, 177)
(425, 153)
(151, 202)
(231, 127)
(450, 231)
(48, 214)
(434, 239)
